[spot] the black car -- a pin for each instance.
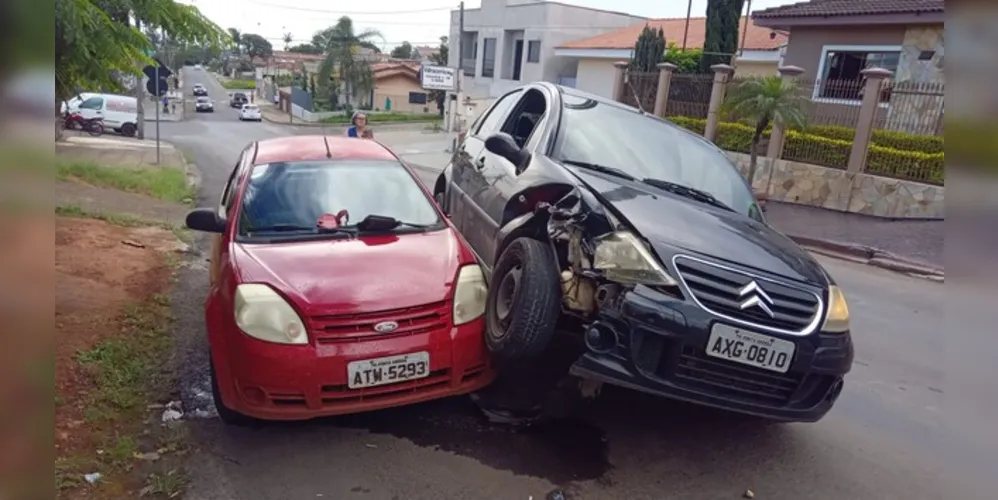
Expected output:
(238, 99)
(641, 241)
(204, 105)
(199, 90)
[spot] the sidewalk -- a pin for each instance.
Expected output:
(917, 241)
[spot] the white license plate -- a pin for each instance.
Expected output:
(388, 370)
(750, 348)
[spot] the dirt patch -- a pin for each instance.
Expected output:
(103, 272)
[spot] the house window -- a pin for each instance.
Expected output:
(840, 70)
(534, 51)
(489, 58)
(417, 97)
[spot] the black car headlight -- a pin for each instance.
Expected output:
(623, 257)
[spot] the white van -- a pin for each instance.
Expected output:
(74, 102)
(120, 112)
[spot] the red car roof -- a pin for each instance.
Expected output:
(313, 147)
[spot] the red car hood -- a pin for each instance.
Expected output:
(354, 275)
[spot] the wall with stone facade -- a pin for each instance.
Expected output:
(806, 184)
(917, 100)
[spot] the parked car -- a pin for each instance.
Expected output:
(250, 112)
(645, 242)
(337, 286)
(204, 105)
(237, 99)
(118, 112)
(199, 90)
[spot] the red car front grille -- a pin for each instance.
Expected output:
(358, 327)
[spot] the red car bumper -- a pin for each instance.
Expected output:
(278, 382)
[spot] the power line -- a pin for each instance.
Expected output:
(352, 13)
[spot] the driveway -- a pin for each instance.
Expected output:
(884, 440)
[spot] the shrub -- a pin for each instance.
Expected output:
(924, 166)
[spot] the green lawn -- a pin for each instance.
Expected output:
(164, 183)
(239, 84)
(387, 118)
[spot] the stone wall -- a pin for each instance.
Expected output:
(917, 100)
(806, 184)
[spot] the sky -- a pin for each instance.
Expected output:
(420, 22)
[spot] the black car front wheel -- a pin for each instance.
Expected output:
(524, 301)
(225, 414)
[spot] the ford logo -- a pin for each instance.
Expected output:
(386, 326)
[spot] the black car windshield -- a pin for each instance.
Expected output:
(647, 148)
(290, 198)
(203, 99)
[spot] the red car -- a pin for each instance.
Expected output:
(337, 285)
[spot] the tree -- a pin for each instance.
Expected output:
(765, 100)
(311, 86)
(440, 59)
(721, 37)
(305, 48)
(403, 51)
(237, 40)
(287, 41)
(257, 46)
(649, 49)
(97, 40)
(341, 45)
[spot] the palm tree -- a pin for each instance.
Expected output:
(341, 45)
(765, 100)
(287, 41)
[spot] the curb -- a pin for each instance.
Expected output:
(191, 170)
(871, 256)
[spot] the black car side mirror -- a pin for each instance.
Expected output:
(504, 145)
(205, 219)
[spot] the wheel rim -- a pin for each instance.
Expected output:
(509, 288)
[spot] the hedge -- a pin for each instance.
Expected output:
(925, 166)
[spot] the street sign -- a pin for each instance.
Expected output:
(164, 86)
(437, 77)
(150, 70)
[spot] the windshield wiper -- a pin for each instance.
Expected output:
(289, 228)
(687, 192)
(601, 168)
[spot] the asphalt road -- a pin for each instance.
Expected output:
(884, 440)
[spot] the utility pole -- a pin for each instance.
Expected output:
(459, 72)
(686, 32)
(140, 116)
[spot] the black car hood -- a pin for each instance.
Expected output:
(673, 224)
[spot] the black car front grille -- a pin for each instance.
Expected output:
(731, 294)
(696, 370)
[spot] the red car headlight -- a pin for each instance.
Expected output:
(469, 294)
(263, 314)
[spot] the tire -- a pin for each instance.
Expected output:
(524, 301)
(226, 415)
(95, 129)
(128, 130)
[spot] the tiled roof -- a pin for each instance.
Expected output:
(758, 38)
(823, 8)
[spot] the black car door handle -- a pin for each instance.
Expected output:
(480, 164)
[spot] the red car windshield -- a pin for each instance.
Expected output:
(291, 197)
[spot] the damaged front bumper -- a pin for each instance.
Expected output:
(659, 348)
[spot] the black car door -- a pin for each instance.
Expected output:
(470, 179)
(525, 122)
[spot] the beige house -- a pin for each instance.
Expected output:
(759, 53)
(834, 41)
(397, 88)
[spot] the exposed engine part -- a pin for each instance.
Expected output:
(590, 389)
(577, 292)
(606, 294)
(601, 338)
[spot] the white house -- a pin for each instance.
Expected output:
(506, 43)
(594, 56)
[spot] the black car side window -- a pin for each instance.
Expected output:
(493, 118)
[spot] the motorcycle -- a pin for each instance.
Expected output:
(75, 121)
